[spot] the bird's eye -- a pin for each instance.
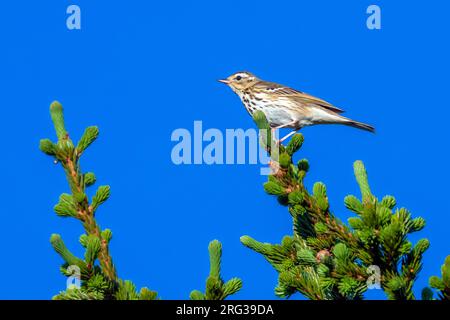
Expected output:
(238, 78)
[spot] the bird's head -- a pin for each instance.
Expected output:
(240, 81)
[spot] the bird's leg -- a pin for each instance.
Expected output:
(287, 136)
(292, 123)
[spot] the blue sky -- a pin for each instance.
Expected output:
(141, 69)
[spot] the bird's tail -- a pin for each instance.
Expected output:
(359, 125)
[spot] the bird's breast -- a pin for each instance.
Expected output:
(276, 114)
(249, 102)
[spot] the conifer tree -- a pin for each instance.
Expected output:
(326, 259)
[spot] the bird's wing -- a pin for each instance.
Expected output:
(283, 91)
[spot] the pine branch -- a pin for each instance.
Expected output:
(98, 281)
(382, 233)
(441, 284)
(77, 205)
(216, 288)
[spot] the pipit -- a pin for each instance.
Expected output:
(285, 107)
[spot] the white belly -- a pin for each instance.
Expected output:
(279, 116)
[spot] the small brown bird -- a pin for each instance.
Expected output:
(285, 107)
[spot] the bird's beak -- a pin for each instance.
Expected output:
(224, 81)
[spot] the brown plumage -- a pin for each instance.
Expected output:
(285, 107)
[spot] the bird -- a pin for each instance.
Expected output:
(285, 107)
